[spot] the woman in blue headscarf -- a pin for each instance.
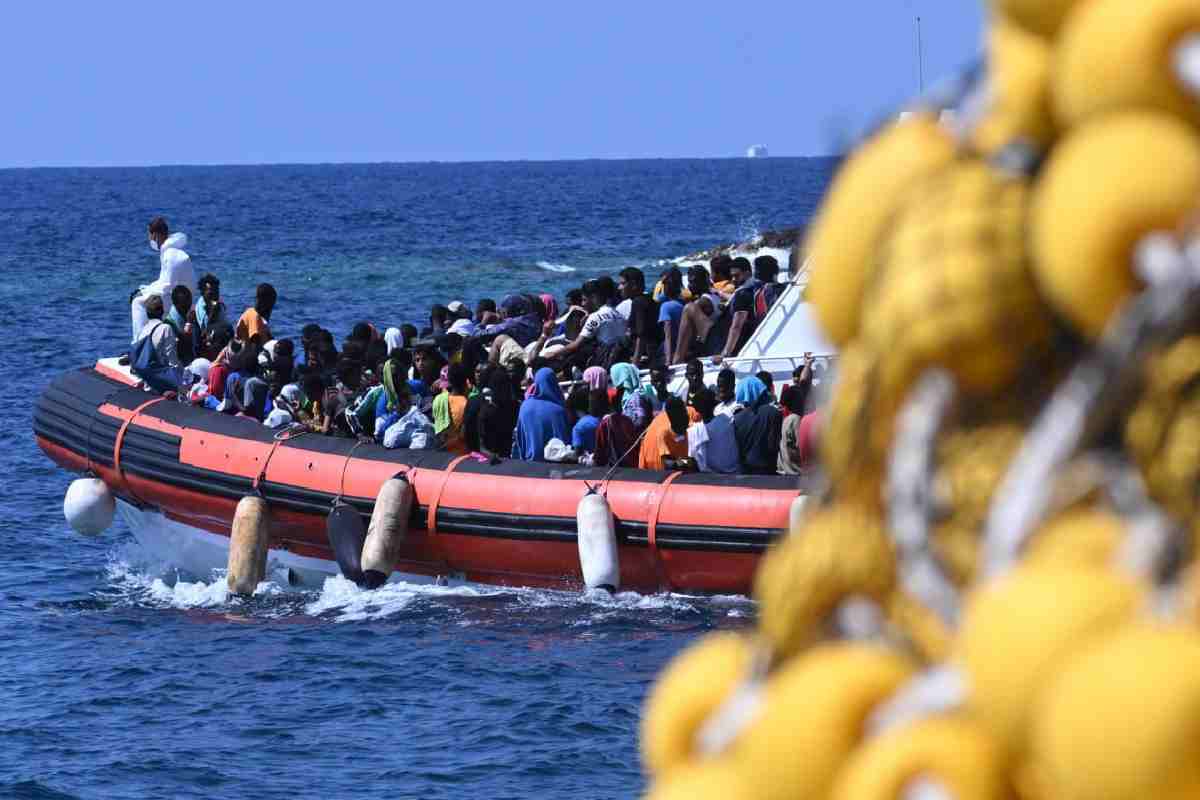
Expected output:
(758, 427)
(543, 417)
(633, 403)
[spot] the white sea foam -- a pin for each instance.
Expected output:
(352, 603)
(550, 266)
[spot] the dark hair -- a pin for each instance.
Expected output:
(313, 386)
(696, 363)
(208, 280)
(438, 311)
(672, 282)
(402, 358)
(310, 333)
(456, 376)
(767, 380)
(676, 411)
(154, 306)
(578, 400)
(158, 227)
(606, 287)
(793, 399)
(409, 331)
(720, 266)
(698, 280)
(325, 336)
(634, 276)
(766, 268)
(376, 354)
(726, 377)
(361, 332)
(575, 297)
(598, 403)
(705, 401)
(486, 304)
(741, 263)
(265, 293)
(349, 372)
(355, 349)
(181, 296)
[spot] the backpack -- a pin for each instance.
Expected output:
(145, 363)
(764, 298)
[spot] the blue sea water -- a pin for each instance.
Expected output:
(120, 678)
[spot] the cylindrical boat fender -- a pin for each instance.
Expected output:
(597, 534)
(796, 512)
(89, 506)
(387, 531)
(346, 536)
(248, 545)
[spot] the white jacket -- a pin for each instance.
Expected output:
(175, 268)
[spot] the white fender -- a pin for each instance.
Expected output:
(387, 531)
(89, 506)
(796, 512)
(597, 536)
(248, 545)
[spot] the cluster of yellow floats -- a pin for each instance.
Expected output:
(997, 595)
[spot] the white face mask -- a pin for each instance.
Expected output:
(154, 245)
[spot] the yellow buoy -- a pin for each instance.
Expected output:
(1122, 721)
(1106, 186)
(1082, 537)
(1019, 631)
(708, 780)
(1117, 55)
(1043, 17)
(839, 552)
(686, 694)
(953, 752)
(865, 194)
(813, 717)
(248, 543)
(1018, 108)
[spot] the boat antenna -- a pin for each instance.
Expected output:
(920, 59)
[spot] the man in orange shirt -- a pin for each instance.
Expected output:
(664, 445)
(255, 323)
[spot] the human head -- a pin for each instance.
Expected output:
(210, 288)
(575, 297)
(694, 373)
(672, 283)
(677, 413)
(377, 351)
(483, 373)
(698, 280)
(513, 305)
(705, 403)
(409, 332)
(766, 268)
(428, 362)
(767, 380)
(484, 306)
(578, 401)
(457, 377)
(438, 316)
(659, 377)
(740, 270)
(154, 306)
(598, 403)
(631, 282)
(349, 372)
(607, 287)
(181, 299)
(264, 299)
(720, 267)
(726, 385)
(593, 295)
(793, 399)
(314, 387)
(158, 231)
(361, 332)
(402, 361)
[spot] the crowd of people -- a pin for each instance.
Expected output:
(489, 380)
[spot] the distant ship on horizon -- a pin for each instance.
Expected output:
(756, 151)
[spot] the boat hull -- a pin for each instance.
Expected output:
(179, 472)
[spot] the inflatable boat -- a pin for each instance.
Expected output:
(178, 473)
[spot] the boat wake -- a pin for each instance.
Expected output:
(550, 266)
(134, 580)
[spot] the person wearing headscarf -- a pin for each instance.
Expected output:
(549, 305)
(758, 427)
(633, 401)
(596, 378)
(492, 416)
(543, 417)
(449, 410)
(394, 339)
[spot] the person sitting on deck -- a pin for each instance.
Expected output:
(694, 373)
(701, 330)
(207, 313)
(757, 427)
(583, 435)
(255, 323)
(154, 356)
(496, 417)
(175, 269)
(664, 445)
(727, 403)
(543, 417)
(449, 409)
(177, 318)
(407, 427)
(712, 442)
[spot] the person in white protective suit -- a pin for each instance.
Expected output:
(175, 269)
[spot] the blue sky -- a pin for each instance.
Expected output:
(128, 83)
